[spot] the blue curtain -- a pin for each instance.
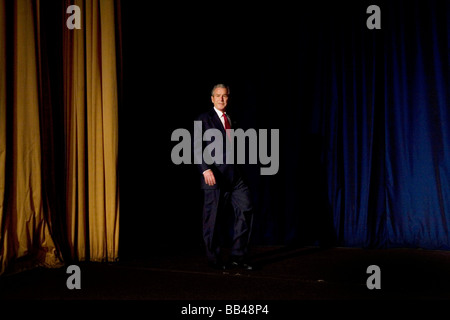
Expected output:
(363, 118)
(382, 107)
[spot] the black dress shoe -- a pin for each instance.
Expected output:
(217, 265)
(247, 266)
(241, 265)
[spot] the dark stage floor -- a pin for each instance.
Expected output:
(285, 274)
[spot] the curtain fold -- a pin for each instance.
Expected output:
(91, 104)
(26, 231)
(102, 130)
(417, 128)
(75, 123)
(3, 248)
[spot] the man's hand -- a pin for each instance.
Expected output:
(210, 180)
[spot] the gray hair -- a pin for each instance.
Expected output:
(220, 85)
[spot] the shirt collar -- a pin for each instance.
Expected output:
(219, 113)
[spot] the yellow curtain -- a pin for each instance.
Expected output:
(25, 232)
(102, 106)
(90, 103)
(3, 248)
(93, 81)
(75, 123)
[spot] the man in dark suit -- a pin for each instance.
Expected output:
(223, 185)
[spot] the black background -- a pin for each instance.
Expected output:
(268, 53)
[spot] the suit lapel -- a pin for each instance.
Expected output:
(233, 123)
(216, 121)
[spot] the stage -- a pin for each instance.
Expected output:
(283, 274)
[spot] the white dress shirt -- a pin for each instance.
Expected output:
(220, 113)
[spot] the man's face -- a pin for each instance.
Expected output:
(220, 98)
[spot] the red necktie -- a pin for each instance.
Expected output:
(227, 124)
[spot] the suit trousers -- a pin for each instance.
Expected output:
(216, 213)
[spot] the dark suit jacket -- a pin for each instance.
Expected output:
(224, 173)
